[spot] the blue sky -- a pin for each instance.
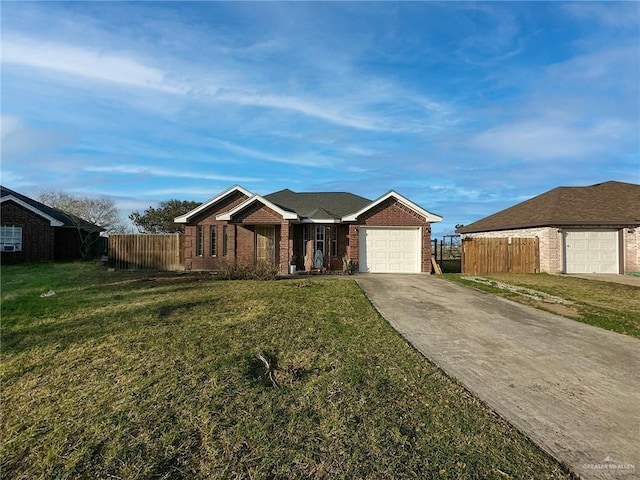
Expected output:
(465, 108)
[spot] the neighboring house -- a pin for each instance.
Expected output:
(594, 229)
(309, 230)
(31, 231)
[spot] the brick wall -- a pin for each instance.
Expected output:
(391, 213)
(258, 214)
(207, 219)
(240, 236)
(631, 243)
(37, 234)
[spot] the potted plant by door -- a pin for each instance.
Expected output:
(292, 265)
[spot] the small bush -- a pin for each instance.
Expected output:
(260, 271)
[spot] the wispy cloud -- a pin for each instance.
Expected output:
(614, 14)
(143, 170)
(363, 110)
(262, 155)
(84, 62)
(545, 139)
(19, 139)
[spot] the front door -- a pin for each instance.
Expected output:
(266, 244)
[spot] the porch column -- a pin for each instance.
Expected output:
(353, 250)
(286, 250)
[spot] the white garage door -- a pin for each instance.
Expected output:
(390, 250)
(591, 251)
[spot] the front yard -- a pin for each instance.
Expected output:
(608, 305)
(139, 375)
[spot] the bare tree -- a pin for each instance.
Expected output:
(100, 211)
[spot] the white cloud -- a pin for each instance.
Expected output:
(164, 172)
(613, 14)
(10, 178)
(365, 108)
(545, 138)
(261, 155)
(18, 139)
(84, 62)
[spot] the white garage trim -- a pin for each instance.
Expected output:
(390, 249)
(591, 251)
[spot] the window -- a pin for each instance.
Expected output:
(11, 238)
(334, 241)
(225, 240)
(199, 240)
(319, 239)
(212, 237)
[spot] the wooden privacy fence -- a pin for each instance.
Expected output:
(147, 251)
(500, 255)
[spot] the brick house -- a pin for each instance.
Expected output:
(593, 229)
(312, 230)
(31, 231)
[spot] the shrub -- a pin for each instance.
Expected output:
(259, 271)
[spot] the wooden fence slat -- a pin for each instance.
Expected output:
(147, 251)
(500, 255)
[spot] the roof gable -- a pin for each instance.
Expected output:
(608, 203)
(428, 216)
(287, 215)
(56, 218)
(212, 201)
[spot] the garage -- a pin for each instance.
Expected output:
(390, 250)
(591, 251)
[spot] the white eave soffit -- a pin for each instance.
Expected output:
(429, 217)
(257, 198)
(187, 216)
(52, 221)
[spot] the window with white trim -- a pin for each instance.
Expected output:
(10, 238)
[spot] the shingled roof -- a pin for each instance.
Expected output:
(67, 219)
(603, 204)
(318, 205)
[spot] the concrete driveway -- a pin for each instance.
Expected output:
(572, 388)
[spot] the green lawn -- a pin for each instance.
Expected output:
(146, 375)
(608, 305)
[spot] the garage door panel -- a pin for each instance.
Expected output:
(594, 251)
(390, 250)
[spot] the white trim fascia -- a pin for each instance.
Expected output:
(429, 217)
(52, 221)
(257, 198)
(187, 216)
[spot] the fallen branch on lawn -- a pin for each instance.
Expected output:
(270, 370)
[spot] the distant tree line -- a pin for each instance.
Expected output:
(102, 211)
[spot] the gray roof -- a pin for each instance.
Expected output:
(318, 205)
(603, 204)
(68, 219)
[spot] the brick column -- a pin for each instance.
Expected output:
(354, 250)
(285, 250)
(426, 248)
